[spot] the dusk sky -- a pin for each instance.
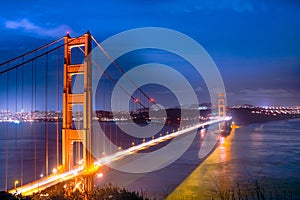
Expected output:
(255, 44)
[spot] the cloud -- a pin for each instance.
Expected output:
(268, 93)
(29, 27)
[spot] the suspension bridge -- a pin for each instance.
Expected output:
(47, 116)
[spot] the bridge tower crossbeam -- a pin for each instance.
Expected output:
(221, 109)
(221, 105)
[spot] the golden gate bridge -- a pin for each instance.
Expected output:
(35, 81)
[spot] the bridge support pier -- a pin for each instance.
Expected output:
(83, 134)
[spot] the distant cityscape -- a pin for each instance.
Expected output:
(31, 116)
(249, 110)
(270, 110)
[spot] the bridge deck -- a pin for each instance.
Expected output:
(54, 179)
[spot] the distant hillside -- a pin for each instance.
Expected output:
(245, 116)
(241, 116)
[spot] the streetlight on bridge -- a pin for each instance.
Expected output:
(16, 183)
(41, 175)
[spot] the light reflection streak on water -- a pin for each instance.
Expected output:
(208, 175)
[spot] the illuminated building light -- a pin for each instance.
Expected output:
(16, 121)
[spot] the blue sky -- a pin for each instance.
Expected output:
(255, 44)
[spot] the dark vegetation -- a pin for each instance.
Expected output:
(256, 188)
(252, 189)
(59, 193)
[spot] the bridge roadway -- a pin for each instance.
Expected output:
(54, 179)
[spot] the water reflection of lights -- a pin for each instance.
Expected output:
(222, 140)
(223, 153)
(202, 133)
(214, 170)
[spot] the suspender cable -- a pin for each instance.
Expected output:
(16, 128)
(32, 136)
(34, 131)
(104, 127)
(46, 112)
(109, 127)
(6, 148)
(22, 109)
(57, 108)
(110, 135)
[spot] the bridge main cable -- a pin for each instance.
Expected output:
(114, 81)
(34, 58)
(32, 51)
(151, 100)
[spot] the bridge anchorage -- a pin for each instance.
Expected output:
(70, 135)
